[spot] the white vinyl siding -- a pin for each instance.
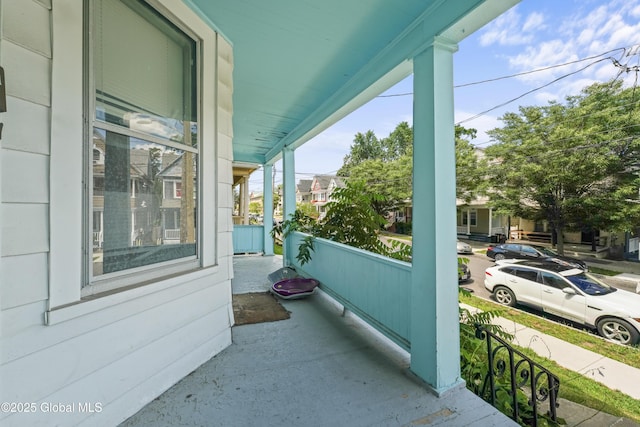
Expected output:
(125, 348)
(24, 158)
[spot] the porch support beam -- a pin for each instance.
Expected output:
(490, 222)
(434, 331)
(267, 209)
(246, 199)
(289, 194)
(468, 221)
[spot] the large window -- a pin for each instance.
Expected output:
(143, 153)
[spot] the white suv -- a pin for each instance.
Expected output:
(569, 293)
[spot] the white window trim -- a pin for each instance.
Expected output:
(132, 276)
(67, 160)
(472, 214)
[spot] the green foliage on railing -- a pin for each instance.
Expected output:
(350, 219)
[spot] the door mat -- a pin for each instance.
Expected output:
(257, 307)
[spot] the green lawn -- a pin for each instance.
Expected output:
(603, 271)
(401, 237)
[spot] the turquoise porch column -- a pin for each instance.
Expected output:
(435, 337)
(267, 209)
(289, 193)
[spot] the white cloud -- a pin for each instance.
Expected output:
(534, 22)
(505, 31)
(543, 55)
(582, 34)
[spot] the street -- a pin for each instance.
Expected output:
(478, 263)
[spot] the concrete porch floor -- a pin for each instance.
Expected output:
(318, 368)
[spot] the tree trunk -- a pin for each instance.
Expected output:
(593, 240)
(560, 241)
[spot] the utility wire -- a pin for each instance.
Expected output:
(616, 63)
(530, 92)
(524, 73)
(539, 69)
(623, 68)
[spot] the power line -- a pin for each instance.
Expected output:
(615, 62)
(530, 92)
(623, 68)
(538, 69)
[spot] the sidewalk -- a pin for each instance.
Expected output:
(613, 374)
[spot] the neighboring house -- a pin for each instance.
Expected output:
(303, 191)
(119, 319)
(175, 208)
(241, 173)
(321, 188)
(403, 213)
(477, 221)
(140, 192)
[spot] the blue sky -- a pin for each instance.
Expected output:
(534, 35)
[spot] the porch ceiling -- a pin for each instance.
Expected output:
(300, 66)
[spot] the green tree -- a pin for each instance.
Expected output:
(390, 180)
(387, 167)
(399, 143)
(366, 146)
(571, 164)
(307, 209)
(255, 207)
(469, 169)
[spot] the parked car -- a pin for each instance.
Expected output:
(569, 293)
(464, 248)
(464, 273)
(520, 251)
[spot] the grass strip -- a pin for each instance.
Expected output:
(587, 392)
(603, 271)
(576, 387)
(582, 338)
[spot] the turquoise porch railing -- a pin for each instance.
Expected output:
(248, 239)
(374, 287)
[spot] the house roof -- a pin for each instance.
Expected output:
(304, 185)
(324, 181)
(300, 66)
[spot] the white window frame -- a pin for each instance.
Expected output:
(67, 164)
(472, 215)
(108, 281)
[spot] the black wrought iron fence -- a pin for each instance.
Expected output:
(515, 384)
